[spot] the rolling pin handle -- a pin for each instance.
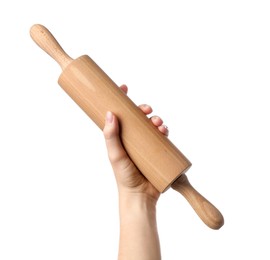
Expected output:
(46, 41)
(208, 213)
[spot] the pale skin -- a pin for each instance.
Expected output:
(137, 196)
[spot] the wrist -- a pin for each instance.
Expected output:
(138, 227)
(137, 210)
(132, 199)
(136, 206)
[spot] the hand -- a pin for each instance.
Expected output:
(129, 179)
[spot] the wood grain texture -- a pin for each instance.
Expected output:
(89, 86)
(152, 152)
(46, 41)
(208, 213)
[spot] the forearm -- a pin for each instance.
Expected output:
(138, 228)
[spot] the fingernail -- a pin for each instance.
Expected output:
(147, 106)
(109, 117)
(166, 130)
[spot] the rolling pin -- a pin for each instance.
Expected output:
(158, 159)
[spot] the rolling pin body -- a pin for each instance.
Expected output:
(154, 154)
(88, 85)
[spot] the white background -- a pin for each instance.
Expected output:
(204, 67)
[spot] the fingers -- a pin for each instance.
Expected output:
(164, 130)
(116, 152)
(156, 120)
(124, 88)
(146, 109)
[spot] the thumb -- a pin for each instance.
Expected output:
(116, 151)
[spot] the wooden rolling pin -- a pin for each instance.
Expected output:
(153, 153)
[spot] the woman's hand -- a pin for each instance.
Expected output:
(129, 179)
(137, 196)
